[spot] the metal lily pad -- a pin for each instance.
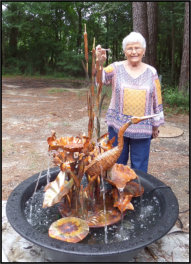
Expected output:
(101, 219)
(121, 174)
(71, 144)
(69, 229)
(73, 147)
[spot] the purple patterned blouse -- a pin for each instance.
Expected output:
(139, 96)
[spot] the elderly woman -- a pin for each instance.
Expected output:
(136, 91)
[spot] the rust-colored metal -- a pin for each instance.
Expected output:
(67, 155)
(86, 47)
(121, 174)
(73, 147)
(124, 203)
(101, 219)
(70, 144)
(107, 159)
(69, 229)
(93, 70)
(56, 189)
(104, 143)
(97, 218)
(90, 114)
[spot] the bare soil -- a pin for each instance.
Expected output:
(32, 108)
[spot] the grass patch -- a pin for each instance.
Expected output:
(81, 93)
(66, 124)
(57, 90)
(7, 146)
(43, 77)
(173, 110)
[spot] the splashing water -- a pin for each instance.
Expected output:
(122, 214)
(134, 223)
(41, 218)
(48, 176)
(140, 197)
(104, 206)
(31, 206)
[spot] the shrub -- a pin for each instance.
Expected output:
(175, 100)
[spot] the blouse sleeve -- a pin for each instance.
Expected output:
(108, 73)
(157, 103)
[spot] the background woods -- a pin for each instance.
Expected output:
(47, 37)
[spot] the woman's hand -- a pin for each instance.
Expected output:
(100, 54)
(155, 132)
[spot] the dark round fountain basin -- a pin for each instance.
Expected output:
(121, 251)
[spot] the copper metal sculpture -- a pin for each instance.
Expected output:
(89, 205)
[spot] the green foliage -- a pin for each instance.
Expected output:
(70, 64)
(170, 32)
(107, 89)
(175, 101)
(46, 38)
(56, 90)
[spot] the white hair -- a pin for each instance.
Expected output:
(132, 38)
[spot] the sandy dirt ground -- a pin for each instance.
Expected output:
(32, 108)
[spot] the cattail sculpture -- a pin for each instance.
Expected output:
(86, 47)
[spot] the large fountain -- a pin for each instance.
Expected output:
(89, 208)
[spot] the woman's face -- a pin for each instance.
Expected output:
(134, 52)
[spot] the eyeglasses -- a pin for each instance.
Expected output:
(129, 50)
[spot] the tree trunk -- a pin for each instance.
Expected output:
(172, 41)
(113, 50)
(13, 36)
(116, 49)
(107, 37)
(152, 9)
(13, 42)
(139, 10)
(79, 36)
(184, 72)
